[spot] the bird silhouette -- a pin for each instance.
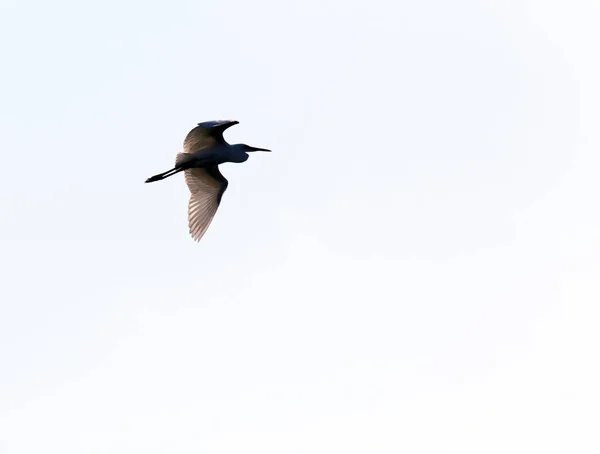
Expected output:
(204, 149)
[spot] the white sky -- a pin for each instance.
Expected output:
(414, 269)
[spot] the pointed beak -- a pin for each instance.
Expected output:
(256, 149)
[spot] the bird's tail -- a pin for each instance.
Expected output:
(162, 176)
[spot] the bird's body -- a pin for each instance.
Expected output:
(204, 149)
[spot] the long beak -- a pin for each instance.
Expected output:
(256, 149)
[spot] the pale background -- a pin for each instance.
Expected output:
(414, 269)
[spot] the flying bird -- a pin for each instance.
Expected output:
(203, 150)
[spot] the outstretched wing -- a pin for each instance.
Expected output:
(206, 135)
(207, 186)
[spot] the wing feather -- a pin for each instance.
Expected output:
(206, 186)
(206, 135)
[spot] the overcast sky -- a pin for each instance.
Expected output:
(414, 269)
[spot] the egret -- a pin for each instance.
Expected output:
(203, 150)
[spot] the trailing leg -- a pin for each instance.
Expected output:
(164, 175)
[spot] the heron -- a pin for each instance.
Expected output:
(204, 149)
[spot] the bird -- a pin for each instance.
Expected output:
(204, 149)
